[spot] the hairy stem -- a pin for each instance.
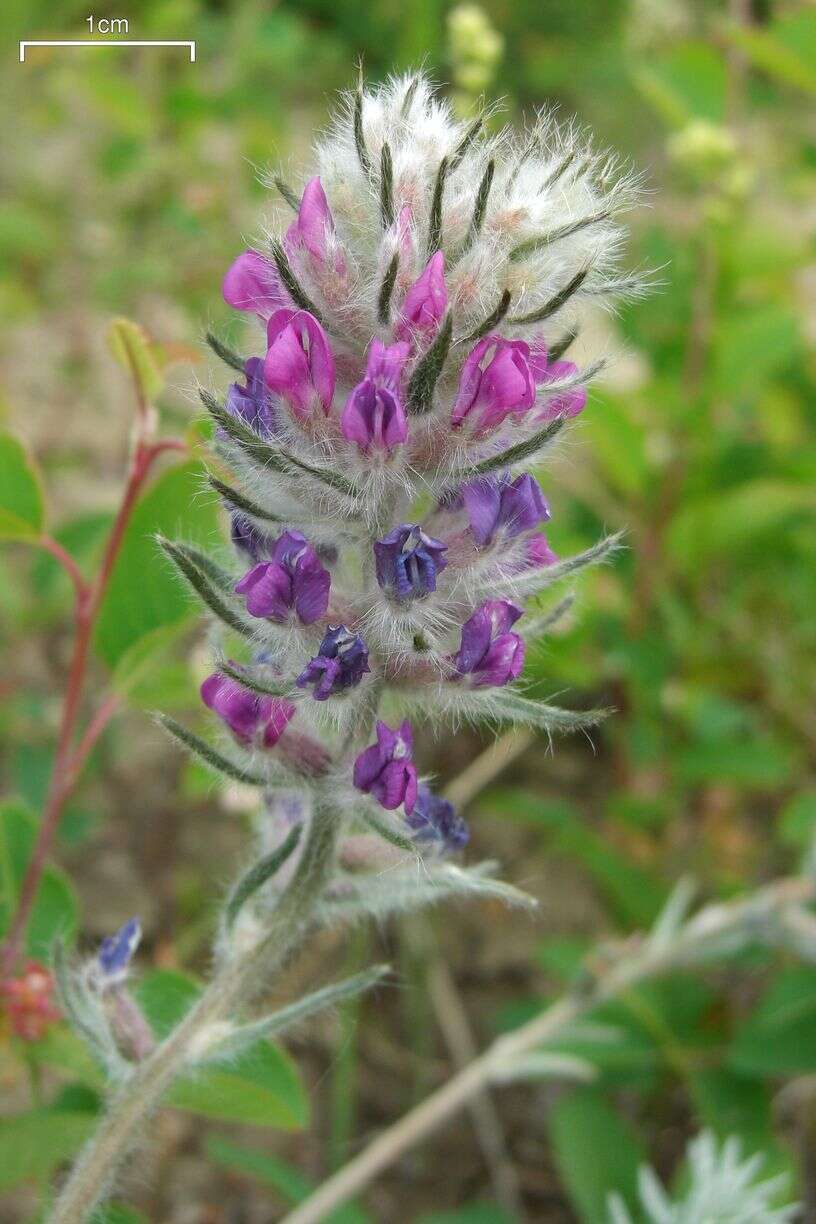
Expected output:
(638, 960)
(230, 990)
(68, 761)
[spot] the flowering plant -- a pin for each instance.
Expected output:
(415, 315)
(386, 537)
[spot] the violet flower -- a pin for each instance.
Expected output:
(251, 402)
(425, 303)
(252, 284)
(386, 770)
(116, 951)
(248, 538)
(374, 416)
(499, 503)
(299, 362)
(538, 551)
(313, 229)
(435, 819)
(489, 654)
(408, 561)
(340, 663)
(250, 716)
(293, 579)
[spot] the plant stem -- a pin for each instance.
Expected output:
(638, 960)
(67, 761)
(230, 990)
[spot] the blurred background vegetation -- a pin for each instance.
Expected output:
(130, 180)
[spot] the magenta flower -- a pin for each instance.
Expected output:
(569, 403)
(385, 769)
(293, 579)
(251, 717)
(374, 416)
(496, 380)
(299, 362)
(513, 506)
(408, 561)
(489, 654)
(425, 303)
(340, 663)
(252, 284)
(313, 229)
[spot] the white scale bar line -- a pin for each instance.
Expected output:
(108, 42)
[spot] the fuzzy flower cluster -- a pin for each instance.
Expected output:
(413, 315)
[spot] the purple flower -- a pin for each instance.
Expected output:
(515, 505)
(248, 538)
(496, 380)
(568, 404)
(313, 229)
(407, 562)
(425, 303)
(489, 653)
(299, 363)
(435, 820)
(251, 403)
(293, 578)
(115, 952)
(374, 415)
(538, 550)
(340, 663)
(252, 284)
(250, 716)
(386, 771)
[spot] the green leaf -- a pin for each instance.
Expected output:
(688, 82)
(259, 874)
(210, 756)
(21, 499)
(271, 1171)
(33, 1144)
(634, 894)
(594, 1152)
(144, 593)
(779, 1038)
(474, 1213)
(137, 354)
(211, 593)
(261, 1087)
(786, 49)
(797, 822)
(117, 1213)
(295, 1013)
(141, 673)
(737, 518)
(55, 906)
(751, 347)
(732, 1104)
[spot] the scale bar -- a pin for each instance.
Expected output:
(108, 42)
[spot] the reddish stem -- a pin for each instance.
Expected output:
(67, 761)
(52, 546)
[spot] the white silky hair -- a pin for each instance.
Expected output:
(724, 1187)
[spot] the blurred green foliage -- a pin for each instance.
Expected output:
(131, 178)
